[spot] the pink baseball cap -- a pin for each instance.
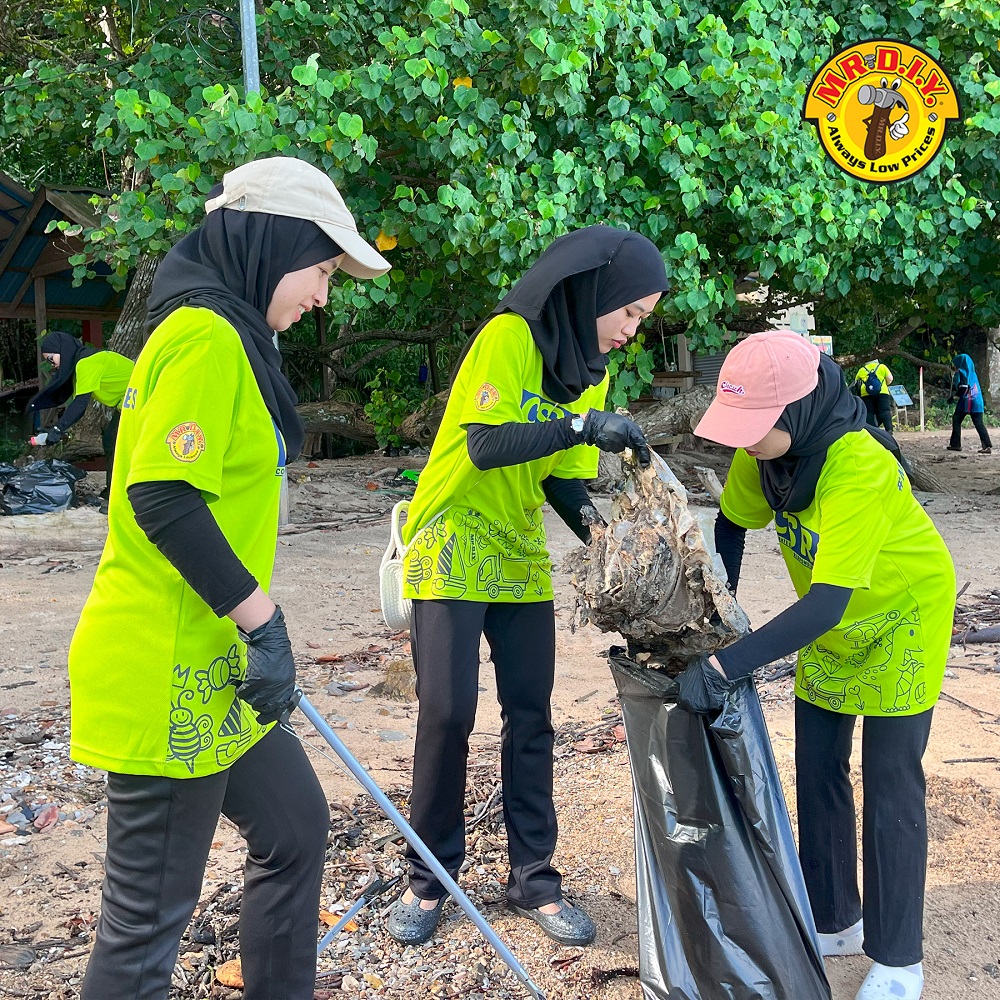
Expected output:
(760, 377)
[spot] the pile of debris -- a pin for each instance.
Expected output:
(649, 575)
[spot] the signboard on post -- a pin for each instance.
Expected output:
(900, 396)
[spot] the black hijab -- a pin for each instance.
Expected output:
(829, 412)
(232, 265)
(579, 277)
(59, 388)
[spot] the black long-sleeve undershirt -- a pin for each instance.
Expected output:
(492, 446)
(178, 521)
(804, 622)
(571, 501)
(76, 409)
(730, 540)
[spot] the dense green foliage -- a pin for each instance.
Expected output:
(466, 136)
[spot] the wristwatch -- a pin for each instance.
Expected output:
(577, 422)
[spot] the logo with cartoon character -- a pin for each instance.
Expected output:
(487, 396)
(881, 109)
(186, 442)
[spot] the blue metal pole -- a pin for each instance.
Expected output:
(381, 799)
(248, 32)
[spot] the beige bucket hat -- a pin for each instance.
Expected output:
(286, 185)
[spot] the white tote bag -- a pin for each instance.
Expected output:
(396, 609)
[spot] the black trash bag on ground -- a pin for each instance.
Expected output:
(723, 910)
(41, 488)
(7, 472)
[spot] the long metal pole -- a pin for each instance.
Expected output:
(251, 61)
(382, 801)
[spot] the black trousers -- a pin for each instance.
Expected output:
(109, 437)
(160, 831)
(445, 640)
(894, 827)
(879, 410)
(977, 422)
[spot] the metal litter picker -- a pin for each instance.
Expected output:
(381, 799)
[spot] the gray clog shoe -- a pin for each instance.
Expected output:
(570, 926)
(410, 923)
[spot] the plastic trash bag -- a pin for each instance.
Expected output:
(40, 488)
(723, 910)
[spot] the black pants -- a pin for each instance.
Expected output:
(977, 422)
(445, 638)
(109, 436)
(879, 410)
(894, 827)
(160, 831)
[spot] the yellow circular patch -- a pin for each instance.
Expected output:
(186, 441)
(881, 109)
(487, 397)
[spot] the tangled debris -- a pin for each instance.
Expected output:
(649, 576)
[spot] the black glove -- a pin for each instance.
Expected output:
(613, 432)
(268, 686)
(703, 689)
(53, 435)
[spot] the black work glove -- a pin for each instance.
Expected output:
(613, 432)
(53, 435)
(703, 689)
(268, 686)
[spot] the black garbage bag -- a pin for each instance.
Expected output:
(723, 910)
(41, 488)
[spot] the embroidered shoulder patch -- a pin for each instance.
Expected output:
(487, 396)
(186, 441)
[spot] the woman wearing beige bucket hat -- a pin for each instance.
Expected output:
(872, 628)
(181, 663)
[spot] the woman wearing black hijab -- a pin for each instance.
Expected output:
(872, 628)
(82, 373)
(525, 410)
(181, 663)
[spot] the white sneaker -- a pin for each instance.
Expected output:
(846, 942)
(886, 982)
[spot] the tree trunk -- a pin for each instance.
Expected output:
(674, 416)
(921, 478)
(343, 420)
(420, 427)
(130, 330)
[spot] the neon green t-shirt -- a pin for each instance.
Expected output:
(151, 667)
(880, 371)
(863, 530)
(104, 374)
(481, 534)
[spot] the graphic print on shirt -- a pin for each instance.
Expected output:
(888, 662)
(192, 724)
(801, 542)
(189, 734)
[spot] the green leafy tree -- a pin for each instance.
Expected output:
(465, 138)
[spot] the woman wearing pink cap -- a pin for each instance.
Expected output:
(872, 625)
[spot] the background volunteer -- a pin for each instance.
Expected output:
(83, 373)
(968, 396)
(525, 407)
(872, 384)
(181, 663)
(873, 623)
